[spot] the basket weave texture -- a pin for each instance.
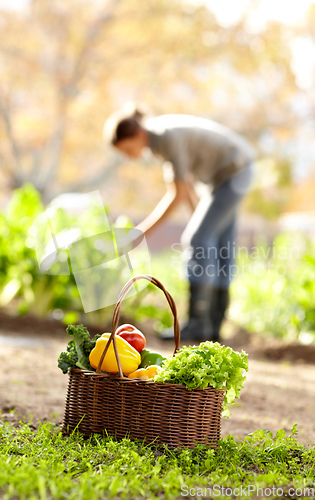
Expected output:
(149, 411)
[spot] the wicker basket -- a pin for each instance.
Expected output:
(149, 411)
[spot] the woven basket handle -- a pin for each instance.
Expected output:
(116, 314)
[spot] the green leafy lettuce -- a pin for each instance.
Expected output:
(209, 364)
(78, 349)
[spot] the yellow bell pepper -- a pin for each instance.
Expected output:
(129, 358)
(140, 373)
(145, 373)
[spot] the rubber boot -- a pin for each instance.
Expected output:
(198, 327)
(218, 307)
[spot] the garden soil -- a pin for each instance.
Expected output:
(278, 393)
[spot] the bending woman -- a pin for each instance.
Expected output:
(199, 151)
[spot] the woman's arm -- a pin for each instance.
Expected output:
(177, 193)
(193, 198)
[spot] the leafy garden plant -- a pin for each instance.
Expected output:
(274, 292)
(23, 287)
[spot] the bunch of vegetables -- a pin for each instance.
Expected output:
(209, 364)
(85, 353)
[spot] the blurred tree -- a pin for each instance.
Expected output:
(303, 197)
(42, 85)
(273, 188)
(65, 66)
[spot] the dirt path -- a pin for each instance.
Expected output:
(276, 394)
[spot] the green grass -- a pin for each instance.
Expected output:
(44, 464)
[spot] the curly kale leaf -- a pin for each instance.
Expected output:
(78, 349)
(69, 358)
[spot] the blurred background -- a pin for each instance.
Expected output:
(249, 64)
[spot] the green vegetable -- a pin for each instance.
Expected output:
(78, 349)
(149, 358)
(69, 358)
(209, 364)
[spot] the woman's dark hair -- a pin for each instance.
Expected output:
(119, 128)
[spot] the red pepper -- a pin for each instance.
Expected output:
(132, 335)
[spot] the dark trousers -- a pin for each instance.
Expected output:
(209, 238)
